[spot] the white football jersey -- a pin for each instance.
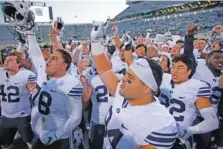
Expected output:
(51, 101)
(72, 70)
(129, 127)
(14, 93)
(166, 89)
(203, 73)
(100, 99)
(180, 100)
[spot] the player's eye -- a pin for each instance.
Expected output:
(129, 81)
(54, 58)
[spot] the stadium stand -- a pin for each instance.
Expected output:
(134, 20)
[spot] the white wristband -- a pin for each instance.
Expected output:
(97, 48)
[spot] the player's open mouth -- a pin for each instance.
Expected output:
(174, 76)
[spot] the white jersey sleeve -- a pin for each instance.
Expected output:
(165, 90)
(32, 78)
(37, 60)
(204, 90)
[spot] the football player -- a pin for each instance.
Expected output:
(189, 98)
(127, 125)
(101, 100)
(16, 84)
(59, 104)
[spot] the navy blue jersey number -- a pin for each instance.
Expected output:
(45, 100)
(13, 94)
(180, 109)
(101, 93)
(116, 135)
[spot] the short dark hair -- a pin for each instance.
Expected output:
(45, 46)
(142, 45)
(66, 57)
(186, 60)
(179, 41)
(212, 52)
(168, 61)
(18, 59)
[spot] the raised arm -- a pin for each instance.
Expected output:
(55, 38)
(102, 63)
(189, 44)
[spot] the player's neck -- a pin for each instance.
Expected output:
(59, 75)
(12, 73)
(141, 101)
(181, 82)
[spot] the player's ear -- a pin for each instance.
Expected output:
(65, 65)
(148, 90)
(189, 72)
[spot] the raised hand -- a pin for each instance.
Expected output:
(126, 39)
(192, 29)
(114, 29)
(98, 30)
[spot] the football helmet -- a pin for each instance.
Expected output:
(18, 14)
(60, 25)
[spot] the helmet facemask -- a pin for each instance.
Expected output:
(18, 14)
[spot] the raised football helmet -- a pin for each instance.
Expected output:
(60, 25)
(17, 13)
